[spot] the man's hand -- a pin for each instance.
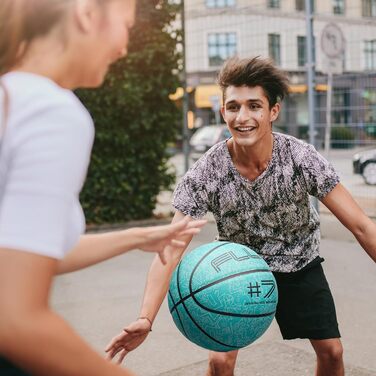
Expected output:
(131, 337)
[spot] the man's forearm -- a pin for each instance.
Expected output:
(366, 236)
(159, 276)
(157, 285)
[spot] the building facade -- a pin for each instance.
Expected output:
(219, 29)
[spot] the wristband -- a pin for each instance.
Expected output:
(146, 318)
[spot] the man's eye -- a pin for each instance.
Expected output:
(232, 108)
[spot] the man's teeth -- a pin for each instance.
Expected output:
(245, 129)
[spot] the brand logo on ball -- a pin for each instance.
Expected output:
(230, 255)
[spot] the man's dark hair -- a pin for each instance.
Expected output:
(255, 72)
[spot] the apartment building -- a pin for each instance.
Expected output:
(219, 29)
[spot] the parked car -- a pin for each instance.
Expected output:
(208, 135)
(205, 137)
(364, 163)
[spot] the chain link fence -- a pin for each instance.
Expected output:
(344, 39)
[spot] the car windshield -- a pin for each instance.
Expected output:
(205, 135)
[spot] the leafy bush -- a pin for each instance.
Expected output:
(342, 137)
(370, 130)
(135, 120)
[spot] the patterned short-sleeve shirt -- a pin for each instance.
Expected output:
(271, 214)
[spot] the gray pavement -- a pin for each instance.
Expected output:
(100, 300)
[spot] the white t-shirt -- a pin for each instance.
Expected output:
(44, 158)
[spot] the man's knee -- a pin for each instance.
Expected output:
(222, 364)
(329, 350)
(334, 354)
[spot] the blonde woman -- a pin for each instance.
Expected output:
(48, 48)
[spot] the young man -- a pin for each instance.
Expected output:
(257, 185)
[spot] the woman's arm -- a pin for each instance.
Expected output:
(32, 336)
(95, 248)
(342, 205)
(157, 285)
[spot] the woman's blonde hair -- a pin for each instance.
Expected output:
(23, 20)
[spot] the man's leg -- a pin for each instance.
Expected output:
(329, 357)
(222, 363)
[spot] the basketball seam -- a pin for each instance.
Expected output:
(214, 283)
(189, 314)
(177, 312)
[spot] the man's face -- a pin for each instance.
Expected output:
(247, 114)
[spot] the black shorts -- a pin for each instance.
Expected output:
(305, 304)
(8, 369)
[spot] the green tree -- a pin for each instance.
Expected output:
(135, 120)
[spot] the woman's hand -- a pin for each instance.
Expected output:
(131, 337)
(158, 237)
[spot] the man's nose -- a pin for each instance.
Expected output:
(243, 114)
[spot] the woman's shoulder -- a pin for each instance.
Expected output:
(31, 94)
(37, 104)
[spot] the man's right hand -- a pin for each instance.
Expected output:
(130, 338)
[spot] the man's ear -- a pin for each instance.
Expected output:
(223, 111)
(274, 112)
(84, 13)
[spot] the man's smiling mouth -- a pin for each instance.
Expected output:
(245, 129)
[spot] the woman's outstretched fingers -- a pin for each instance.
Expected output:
(178, 243)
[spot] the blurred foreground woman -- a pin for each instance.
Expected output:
(48, 48)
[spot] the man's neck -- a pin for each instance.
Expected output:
(252, 161)
(255, 155)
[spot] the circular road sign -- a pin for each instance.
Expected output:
(332, 41)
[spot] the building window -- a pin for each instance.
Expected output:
(300, 5)
(370, 54)
(302, 50)
(338, 6)
(340, 106)
(369, 8)
(369, 97)
(220, 3)
(274, 4)
(221, 46)
(274, 43)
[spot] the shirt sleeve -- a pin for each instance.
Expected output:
(319, 175)
(190, 195)
(48, 159)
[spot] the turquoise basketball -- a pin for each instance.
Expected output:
(222, 296)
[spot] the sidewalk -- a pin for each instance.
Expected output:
(101, 300)
(269, 359)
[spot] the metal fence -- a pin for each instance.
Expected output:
(344, 51)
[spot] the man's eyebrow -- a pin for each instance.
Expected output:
(251, 100)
